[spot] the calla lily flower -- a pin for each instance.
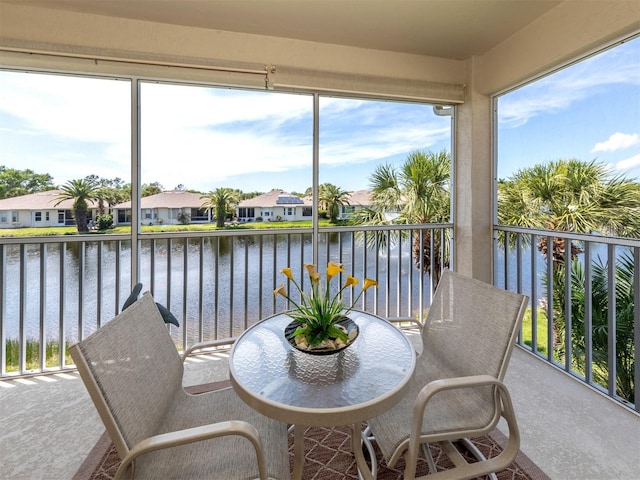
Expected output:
(351, 281)
(369, 283)
(333, 269)
(287, 272)
(280, 291)
(319, 310)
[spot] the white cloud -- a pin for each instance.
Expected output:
(628, 163)
(225, 135)
(617, 141)
(197, 136)
(558, 91)
(89, 110)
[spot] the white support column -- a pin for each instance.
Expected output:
(473, 185)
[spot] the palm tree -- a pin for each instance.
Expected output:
(220, 201)
(331, 198)
(600, 301)
(581, 197)
(572, 196)
(416, 193)
(80, 191)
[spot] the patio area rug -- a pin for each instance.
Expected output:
(328, 455)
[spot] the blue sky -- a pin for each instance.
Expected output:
(204, 138)
(589, 111)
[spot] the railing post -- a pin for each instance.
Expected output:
(636, 323)
(611, 319)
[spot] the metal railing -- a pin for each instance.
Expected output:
(585, 303)
(57, 290)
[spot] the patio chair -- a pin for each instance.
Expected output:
(457, 390)
(133, 373)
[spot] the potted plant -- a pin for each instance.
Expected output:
(320, 322)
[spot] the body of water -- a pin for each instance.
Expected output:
(216, 287)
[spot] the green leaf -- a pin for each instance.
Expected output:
(337, 332)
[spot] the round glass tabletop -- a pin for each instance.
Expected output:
(354, 384)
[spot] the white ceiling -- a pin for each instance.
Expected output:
(456, 29)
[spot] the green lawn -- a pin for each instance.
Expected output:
(541, 329)
(197, 227)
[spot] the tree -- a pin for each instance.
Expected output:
(600, 303)
(220, 201)
(331, 198)
(14, 183)
(416, 193)
(109, 192)
(571, 196)
(248, 195)
(581, 197)
(80, 191)
(151, 189)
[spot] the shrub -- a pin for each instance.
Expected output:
(184, 218)
(32, 350)
(104, 221)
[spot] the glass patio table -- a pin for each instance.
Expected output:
(367, 378)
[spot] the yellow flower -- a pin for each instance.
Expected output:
(320, 309)
(280, 290)
(351, 281)
(333, 269)
(287, 272)
(369, 283)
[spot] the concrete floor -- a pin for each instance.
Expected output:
(571, 431)
(48, 424)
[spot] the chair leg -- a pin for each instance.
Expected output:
(366, 433)
(427, 455)
(365, 440)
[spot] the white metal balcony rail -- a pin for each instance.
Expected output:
(56, 290)
(587, 317)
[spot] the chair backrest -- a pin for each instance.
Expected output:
(132, 370)
(472, 326)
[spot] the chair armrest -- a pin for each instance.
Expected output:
(209, 344)
(397, 320)
(437, 386)
(433, 388)
(196, 434)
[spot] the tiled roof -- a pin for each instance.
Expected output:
(360, 197)
(40, 201)
(170, 199)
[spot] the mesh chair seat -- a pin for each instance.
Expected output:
(232, 453)
(133, 373)
(449, 413)
(457, 390)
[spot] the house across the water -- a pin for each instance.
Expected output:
(166, 208)
(274, 206)
(41, 209)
